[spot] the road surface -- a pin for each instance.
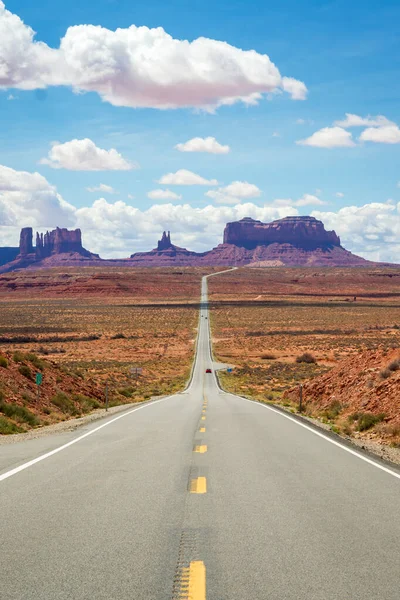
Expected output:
(201, 495)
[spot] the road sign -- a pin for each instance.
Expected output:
(39, 379)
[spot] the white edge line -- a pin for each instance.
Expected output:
(30, 463)
(322, 435)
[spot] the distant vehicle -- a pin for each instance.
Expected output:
(208, 371)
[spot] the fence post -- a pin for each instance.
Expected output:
(301, 397)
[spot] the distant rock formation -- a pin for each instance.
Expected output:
(166, 254)
(59, 241)
(26, 241)
(292, 241)
(57, 247)
(165, 242)
(304, 232)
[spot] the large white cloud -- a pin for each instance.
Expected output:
(305, 200)
(185, 177)
(139, 67)
(84, 155)
(208, 144)
(329, 137)
(28, 199)
(234, 193)
(385, 135)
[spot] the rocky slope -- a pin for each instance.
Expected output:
(361, 394)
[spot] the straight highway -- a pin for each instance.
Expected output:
(200, 495)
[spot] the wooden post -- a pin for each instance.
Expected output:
(301, 397)
(107, 396)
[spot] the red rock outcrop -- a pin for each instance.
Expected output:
(305, 232)
(59, 241)
(26, 241)
(166, 254)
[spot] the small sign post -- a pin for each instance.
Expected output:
(300, 397)
(39, 381)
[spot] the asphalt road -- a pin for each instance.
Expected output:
(265, 508)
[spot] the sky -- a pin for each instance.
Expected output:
(126, 118)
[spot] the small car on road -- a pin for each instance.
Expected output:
(208, 371)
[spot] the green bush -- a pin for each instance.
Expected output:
(3, 362)
(64, 403)
(307, 357)
(86, 404)
(8, 427)
(367, 420)
(19, 413)
(25, 371)
(18, 357)
(35, 360)
(333, 410)
(394, 365)
(385, 373)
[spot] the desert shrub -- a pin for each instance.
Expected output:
(268, 356)
(35, 360)
(3, 362)
(8, 427)
(307, 357)
(25, 371)
(19, 413)
(394, 365)
(18, 357)
(127, 392)
(118, 336)
(333, 410)
(392, 429)
(27, 397)
(367, 420)
(47, 410)
(385, 373)
(85, 402)
(64, 403)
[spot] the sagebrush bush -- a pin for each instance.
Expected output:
(18, 357)
(367, 420)
(8, 427)
(3, 362)
(306, 357)
(25, 371)
(64, 403)
(19, 413)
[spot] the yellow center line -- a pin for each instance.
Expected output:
(200, 449)
(203, 418)
(193, 586)
(202, 429)
(198, 486)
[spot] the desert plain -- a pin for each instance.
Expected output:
(132, 331)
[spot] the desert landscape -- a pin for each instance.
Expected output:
(85, 328)
(335, 331)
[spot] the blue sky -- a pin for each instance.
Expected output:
(347, 55)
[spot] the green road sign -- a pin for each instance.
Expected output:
(39, 378)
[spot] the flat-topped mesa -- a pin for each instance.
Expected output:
(303, 232)
(165, 242)
(59, 241)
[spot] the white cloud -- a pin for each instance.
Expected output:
(139, 66)
(12, 97)
(329, 137)
(131, 197)
(234, 193)
(102, 188)
(184, 177)
(339, 195)
(383, 135)
(295, 88)
(356, 121)
(84, 155)
(276, 134)
(208, 144)
(28, 199)
(305, 200)
(163, 195)
(300, 121)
